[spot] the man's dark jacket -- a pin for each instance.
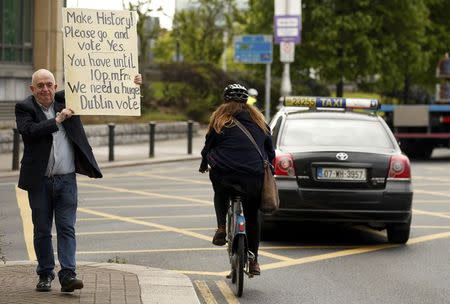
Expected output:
(36, 131)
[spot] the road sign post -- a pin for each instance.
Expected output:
(287, 30)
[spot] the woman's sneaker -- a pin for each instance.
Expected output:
(219, 236)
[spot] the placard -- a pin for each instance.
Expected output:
(100, 62)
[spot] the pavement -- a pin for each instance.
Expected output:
(107, 282)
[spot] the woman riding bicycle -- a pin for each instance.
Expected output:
(234, 160)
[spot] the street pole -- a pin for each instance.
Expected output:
(267, 101)
(286, 86)
(225, 43)
(287, 27)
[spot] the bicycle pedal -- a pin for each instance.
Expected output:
(251, 256)
(249, 274)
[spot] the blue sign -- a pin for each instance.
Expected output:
(253, 49)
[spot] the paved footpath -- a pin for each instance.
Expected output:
(103, 283)
(107, 282)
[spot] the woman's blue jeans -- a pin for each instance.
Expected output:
(56, 197)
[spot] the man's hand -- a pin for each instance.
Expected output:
(138, 79)
(63, 115)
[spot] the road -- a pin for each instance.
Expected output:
(162, 216)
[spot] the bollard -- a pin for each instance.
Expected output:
(189, 135)
(152, 139)
(16, 149)
(111, 127)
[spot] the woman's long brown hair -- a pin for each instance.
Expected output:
(223, 116)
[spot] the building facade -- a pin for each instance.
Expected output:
(30, 39)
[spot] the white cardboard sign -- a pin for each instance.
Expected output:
(100, 62)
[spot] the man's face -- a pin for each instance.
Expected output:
(44, 88)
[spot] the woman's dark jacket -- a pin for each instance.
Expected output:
(36, 131)
(231, 151)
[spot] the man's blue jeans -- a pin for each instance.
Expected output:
(57, 196)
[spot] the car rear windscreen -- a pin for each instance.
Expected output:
(336, 132)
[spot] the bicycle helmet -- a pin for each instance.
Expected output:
(235, 92)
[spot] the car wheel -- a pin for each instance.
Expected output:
(398, 233)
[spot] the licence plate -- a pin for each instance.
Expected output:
(356, 174)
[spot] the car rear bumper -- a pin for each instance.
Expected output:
(345, 216)
(389, 205)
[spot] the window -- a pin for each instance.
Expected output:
(16, 23)
(336, 133)
(276, 130)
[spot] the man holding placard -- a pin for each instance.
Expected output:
(55, 144)
(55, 147)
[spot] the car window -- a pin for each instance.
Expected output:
(276, 130)
(336, 132)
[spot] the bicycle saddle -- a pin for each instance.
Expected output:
(233, 188)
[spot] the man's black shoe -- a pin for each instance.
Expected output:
(69, 284)
(45, 283)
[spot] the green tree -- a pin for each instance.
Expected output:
(438, 36)
(392, 45)
(147, 29)
(164, 50)
(338, 41)
(199, 32)
(403, 41)
(439, 27)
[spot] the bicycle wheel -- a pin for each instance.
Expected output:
(240, 264)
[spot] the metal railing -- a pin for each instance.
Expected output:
(111, 142)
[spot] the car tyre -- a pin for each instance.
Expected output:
(398, 233)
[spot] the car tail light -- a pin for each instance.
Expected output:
(445, 119)
(284, 165)
(399, 167)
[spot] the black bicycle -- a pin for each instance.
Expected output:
(237, 244)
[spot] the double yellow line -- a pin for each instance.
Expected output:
(208, 296)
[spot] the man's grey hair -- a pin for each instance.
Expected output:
(41, 71)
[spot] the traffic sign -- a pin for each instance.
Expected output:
(287, 51)
(287, 21)
(287, 28)
(253, 49)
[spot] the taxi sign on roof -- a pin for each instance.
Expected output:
(331, 102)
